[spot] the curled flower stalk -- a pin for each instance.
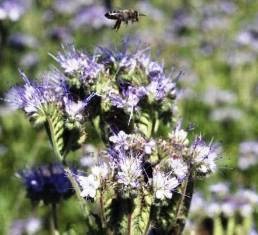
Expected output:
(143, 179)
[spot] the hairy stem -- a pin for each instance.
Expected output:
(76, 188)
(102, 215)
(68, 171)
(183, 206)
(129, 221)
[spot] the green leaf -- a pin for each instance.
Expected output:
(141, 215)
(144, 124)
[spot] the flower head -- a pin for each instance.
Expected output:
(248, 154)
(178, 167)
(163, 184)
(89, 185)
(129, 171)
(47, 183)
(29, 97)
(75, 62)
(204, 157)
(12, 9)
(75, 110)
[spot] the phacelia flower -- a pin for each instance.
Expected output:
(132, 142)
(120, 140)
(203, 157)
(178, 167)
(248, 154)
(163, 185)
(89, 185)
(100, 171)
(129, 98)
(72, 61)
(29, 97)
(47, 183)
(31, 225)
(179, 136)
(75, 110)
(12, 9)
(161, 88)
(75, 62)
(129, 171)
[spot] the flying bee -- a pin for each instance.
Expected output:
(123, 16)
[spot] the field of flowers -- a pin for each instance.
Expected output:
(107, 131)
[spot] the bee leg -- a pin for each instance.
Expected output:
(117, 25)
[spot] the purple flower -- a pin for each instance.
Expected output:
(133, 95)
(163, 184)
(249, 37)
(47, 183)
(121, 140)
(203, 157)
(129, 170)
(161, 88)
(30, 98)
(29, 60)
(155, 70)
(30, 225)
(55, 80)
(178, 167)
(133, 143)
(61, 34)
(12, 9)
(22, 41)
(75, 110)
(74, 62)
(248, 154)
(129, 98)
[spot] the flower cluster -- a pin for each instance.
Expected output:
(47, 183)
(224, 204)
(135, 163)
(129, 100)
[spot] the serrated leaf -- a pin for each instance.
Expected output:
(144, 124)
(56, 129)
(141, 215)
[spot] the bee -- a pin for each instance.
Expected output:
(123, 16)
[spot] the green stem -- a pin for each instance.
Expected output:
(183, 205)
(231, 226)
(54, 220)
(102, 215)
(218, 229)
(66, 168)
(129, 221)
(77, 189)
